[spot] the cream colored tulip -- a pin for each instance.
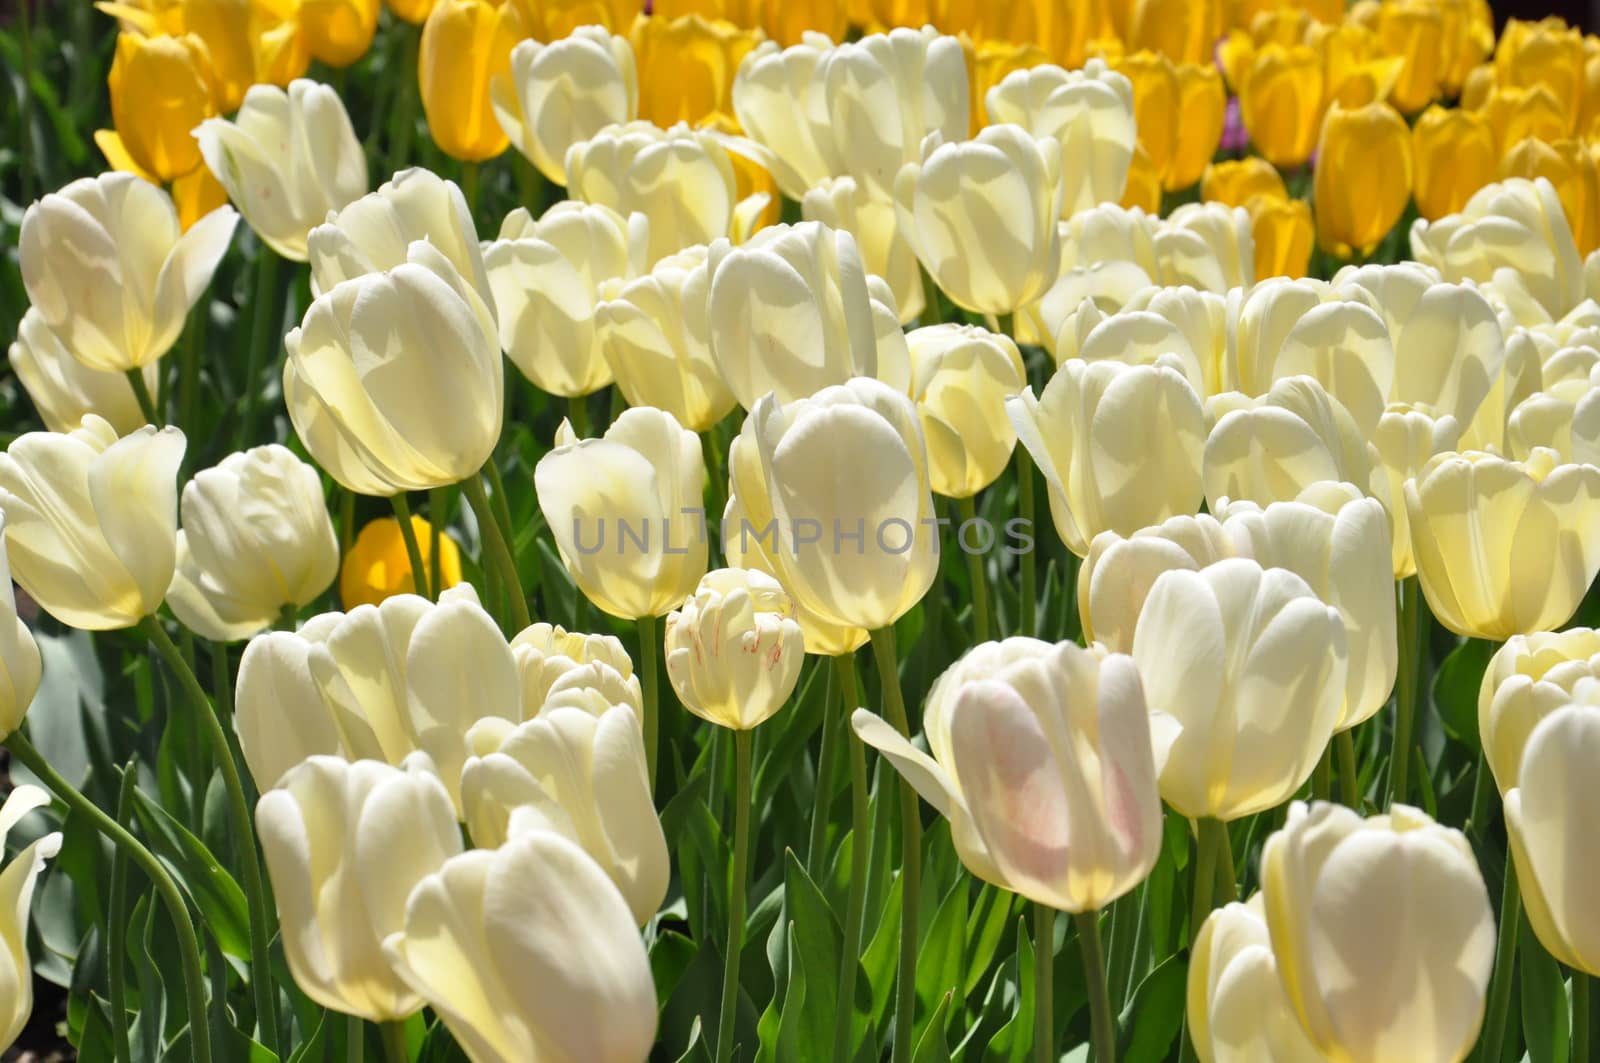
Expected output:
(961, 377)
(626, 512)
(1237, 1009)
(17, 883)
(1133, 336)
(1564, 423)
(981, 216)
(1206, 246)
(91, 521)
(734, 650)
(842, 480)
(1201, 317)
(1269, 449)
(843, 203)
(1521, 375)
(680, 179)
(256, 537)
(1382, 932)
(880, 96)
(20, 665)
(1110, 233)
(344, 845)
(405, 367)
(546, 277)
(287, 159)
(1058, 730)
(773, 94)
(1406, 439)
(1244, 672)
(563, 93)
(528, 952)
(64, 390)
(107, 268)
(1503, 547)
(568, 668)
(1117, 574)
(1119, 446)
(1088, 112)
(1111, 284)
(1337, 540)
(1527, 679)
(1547, 821)
(1514, 234)
(581, 776)
(280, 714)
(375, 234)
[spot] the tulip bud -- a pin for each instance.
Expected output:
(841, 203)
(287, 159)
(1503, 547)
(1546, 53)
(961, 377)
(770, 98)
(860, 444)
(1363, 177)
(466, 45)
(344, 844)
(1406, 438)
(63, 389)
(1181, 107)
(106, 267)
(1368, 918)
(109, 504)
(734, 649)
(1206, 246)
(637, 489)
(1058, 729)
(1236, 1005)
(19, 878)
(256, 537)
(1280, 100)
(1235, 182)
(1118, 572)
(1455, 155)
(947, 204)
(1143, 189)
(1269, 449)
(1283, 232)
(1528, 679)
(160, 90)
(563, 93)
(1090, 422)
(249, 42)
(280, 715)
(529, 952)
(338, 32)
(1182, 31)
(687, 66)
(377, 566)
(1090, 113)
(558, 667)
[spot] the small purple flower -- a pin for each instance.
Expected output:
(1235, 137)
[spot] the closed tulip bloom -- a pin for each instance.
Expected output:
(625, 512)
(1180, 109)
(1235, 182)
(1135, 335)
(256, 537)
(1076, 433)
(546, 276)
(951, 208)
(560, 94)
(1183, 32)
(1118, 572)
(466, 45)
(884, 94)
(1280, 100)
(1414, 30)
(1382, 932)
(1237, 1009)
(528, 952)
(687, 66)
(344, 844)
(377, 566)
(160, 90)
(17, 883)
(1504, 548)
(1455, 154)
(581, 776)
(1363, 177)
(1271, 448)
(249, 43)
(554, 20)
(845, 473)
(1528, 679)
(280, 715)
(1518, 113)
(843, 203)
(771, 97)
(1407, 438)
(107, 268)
(1206, 246)
(91, 521)
(1546, 53)
(1570, 167)
(1058, 729)
(1244, 672)
(63, 389)
(1089, 113)
(1110, 233)
(338, 32)
(553, 662)
(1558, 421)
(287, 159)
(1283, 233)
(734, 649)
(20, 665)
(1201, 320)
(1143, 189)
(961, 377)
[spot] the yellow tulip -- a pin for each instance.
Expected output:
(1356, 70)
(1179, 108)
(1283, 232)
(1547, 53)
(1468, 41)
(553, 20)
(195, 194)
(687, 66)
(1246, 11)
(1363, 177)
(1455, 155)
(466, 44)
(250, 42)
(1280, 101)
(885, 15)
(988, 63)
(338, 32)
(1184, 31)
(1571, 168)
(1414, 30)
(1143, 189)
(1062, 31)
(1237, 181)
(413, 11)
(750, 177)
(377, 566)
(160, 90)
(1518, 113)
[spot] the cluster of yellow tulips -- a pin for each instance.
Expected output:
(1287, 312)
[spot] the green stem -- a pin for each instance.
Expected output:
(498, 550)
(1006, 324)
(147, 405)
(288, 616)
(188, 944)
(1030, 591)
(1344, 746)
(832, 722)
(117, 928)
(394, 1042)
(931, 313)
(1044, 967)
(578, 415)
(741, 862)
(856, 902)
(347, 521)
(980, 586)
(1322, 776)
(1482, 785)
(469, 187)
(649, 652)
(1580, 1016)
(355, 1039)
(497, 497)
(1215, 851)
(438, 517)
(1505, 954)
(408, 535)
(1405, 693)
(887, 658)
(261, 980)
(189, 357)
(1103, 1032)
(265, 320)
